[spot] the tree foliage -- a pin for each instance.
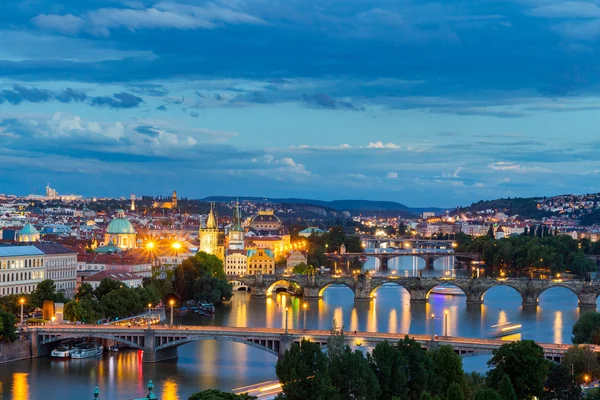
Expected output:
(214, 394)
(46, 290)
(586, 329)
(7, 327)
(390, 368)
(561, 384)
(202, 277)
(524, 364)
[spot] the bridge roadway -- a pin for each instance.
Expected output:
(419, 288)
(161, 343)
(429, 255)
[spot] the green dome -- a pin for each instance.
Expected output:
(28, 229)
(119, 226)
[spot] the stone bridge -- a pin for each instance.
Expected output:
(384, 257)
(419, 288)
(161, 343)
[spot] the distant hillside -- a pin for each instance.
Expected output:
(339, 205)
(525, 207)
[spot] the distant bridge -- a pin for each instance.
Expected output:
(384, 257)
(161, 343)
(419, 288)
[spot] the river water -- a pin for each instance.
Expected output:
(228, 365)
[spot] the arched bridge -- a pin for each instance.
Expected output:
(429, 256)
(419, 288)
(160, 344)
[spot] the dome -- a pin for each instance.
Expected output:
(119, 226)
(265, 217)
(28, 229)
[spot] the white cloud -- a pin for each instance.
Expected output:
(513, 167)
(164, 15)
(392, 175)
(292, 166)
(381, 145)
(452, 174)
(567, 9)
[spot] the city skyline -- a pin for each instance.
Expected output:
(424, 104)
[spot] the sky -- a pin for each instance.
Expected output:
(439, 103)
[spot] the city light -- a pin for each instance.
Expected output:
(176, 246)
(171, 302)
(149, 245)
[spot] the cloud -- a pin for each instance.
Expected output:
(392, 175)
(326, 101)
(567, 9)
(118, 100)
(452, 174)
(291, 166)
(381, 145)
(513, 167)
(164, 15)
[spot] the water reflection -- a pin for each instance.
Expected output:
(20, 386)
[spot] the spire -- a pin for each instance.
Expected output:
(237, 218)
(211, 222)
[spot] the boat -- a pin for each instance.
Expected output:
(63, 351)
(448, 290)
(504, 329)
(113, 348)
(207, 307)
(87, 350)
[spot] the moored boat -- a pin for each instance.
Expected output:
(88, 350)
(63, 351)
(504, 329)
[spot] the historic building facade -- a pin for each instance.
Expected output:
(120, 233)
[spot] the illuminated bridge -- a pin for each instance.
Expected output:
(419, 288)
(160, 344)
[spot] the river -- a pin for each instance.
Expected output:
(228, 365)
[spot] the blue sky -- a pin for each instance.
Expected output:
(426, 103)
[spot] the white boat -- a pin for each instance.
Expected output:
(448, 290)
(88, 350)
(505, 329)
(63, 351)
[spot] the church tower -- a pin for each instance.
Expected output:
(174, 200)
(236, 233)
(209, 235)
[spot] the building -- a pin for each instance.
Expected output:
(311, 230)
(236, 232)
(61, 266)
(21, 269)
(167, 204)
(296, 257)
(261, 261)
(126, 278)
(120, 232)
(236, 262)
(209, 236)
(28, 234)
(266, 221)
(134, 261)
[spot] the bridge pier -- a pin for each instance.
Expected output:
(474, 298)
(152, 355)
(285, 343)
(529, 299)
(587, 298)
(428, 262)
(258, 291)
(418, 295)
(309, 293)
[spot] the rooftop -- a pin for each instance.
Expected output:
(16, 251)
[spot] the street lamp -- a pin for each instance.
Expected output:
(432, 328)
(149, 245)
(176, 246)
(304, 307)
(171, 303)
(22, 302)
(149, 307)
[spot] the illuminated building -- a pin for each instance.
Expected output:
(266, 221)
(167, 204)
(28, 234)
(21, 269)
(296, 257)
(261, 261)
(236, 260)
(120, 232)
(209, 236)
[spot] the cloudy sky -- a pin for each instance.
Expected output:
(426, 103)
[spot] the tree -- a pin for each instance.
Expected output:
(202, 277)
(106, 286)
(46, 290)
(585, 327)
(401, 229)
(11, 303)
(561, 384)
(84, 291)
(491, 233)
(487, 394)
(214, 394)
(304, 373)
(390, 368)
(420, 368)
(351, 374)
(7, 327)
(303, 269)
(582, 361)
(121, 303)
(448, 369)
(524, 364)
(455, 392)
(506, 390)
(212, 289)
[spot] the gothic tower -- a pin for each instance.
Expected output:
(174, 200)
(236, 233)
(209, 235)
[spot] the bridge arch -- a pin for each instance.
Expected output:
(118, 339)
(504, 284)
(256, 343)
(376, 287)
(449, 282)
(280, 283)
(334, 283)
(556, 285)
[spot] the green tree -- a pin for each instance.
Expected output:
(46, 290)
(561, 384)
(582, 360)
(214, 394)
(487, 394)
(106, 286)
(506, 389)
(420, 368)
(425, 396)
(304, 373)
(525, 365)
(585, 328)
(390, 368)
(448, 369)
(455, 392)
(212, 289)
(84, 310)
(7, 327)
(303, 269)
(11, 303)
(401, 228)
(85, 290)
(121, 303)
(202, 277)
(351, 374)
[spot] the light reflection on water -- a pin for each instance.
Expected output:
(228, 365)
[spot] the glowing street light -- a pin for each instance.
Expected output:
(149, 307)
(304, 307)
(171, 303)
(149, 245)
(176, 246)
(432, 328)
(22, 302)
(286, 320)
(445, 323)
